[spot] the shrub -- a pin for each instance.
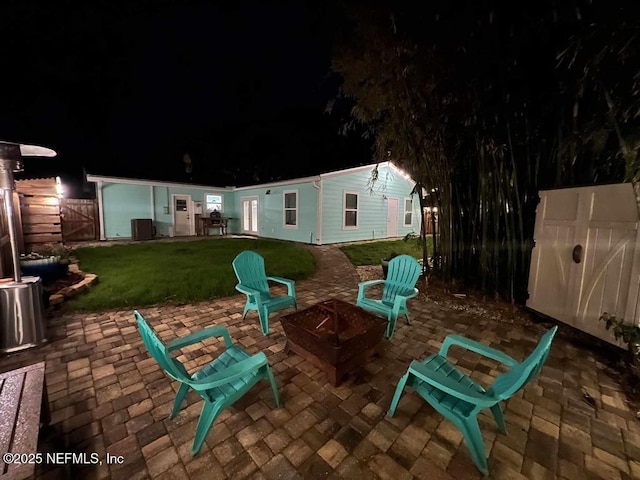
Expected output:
(629, 333)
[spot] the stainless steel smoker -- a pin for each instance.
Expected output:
(22, 321)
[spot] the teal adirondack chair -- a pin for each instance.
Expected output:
(220, 383)
(459, 398)
(404, 271)
(254, 283)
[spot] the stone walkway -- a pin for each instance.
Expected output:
(108, 396)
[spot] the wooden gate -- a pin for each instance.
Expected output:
(586, 259)
(79, 219)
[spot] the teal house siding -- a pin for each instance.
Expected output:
(163, 204)
(372, 204)
(271, 221)
(121, 203)
(320, 206)
(121, 200)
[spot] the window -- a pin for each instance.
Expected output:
(213, 202)
(408, 212)
(290, 199)
(350, 210)
(181, 205)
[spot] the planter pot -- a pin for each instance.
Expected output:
(385, 268)
(48, 269)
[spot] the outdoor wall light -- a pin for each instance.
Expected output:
(59, 188)
(268, 192)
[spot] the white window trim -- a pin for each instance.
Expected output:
(284, 210)
(344, 210)
(204, 201)
(404, 216)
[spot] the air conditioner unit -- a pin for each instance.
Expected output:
(141, 229)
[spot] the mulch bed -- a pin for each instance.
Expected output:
(55, 286)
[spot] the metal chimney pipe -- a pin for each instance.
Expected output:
(10, 161)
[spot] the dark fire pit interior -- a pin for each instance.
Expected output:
(334, 335)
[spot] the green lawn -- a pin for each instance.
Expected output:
(371, 253)
(135, 275)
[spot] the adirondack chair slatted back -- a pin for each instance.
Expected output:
(159, 352)
(249, 268)
(510, 382)
(404, 271)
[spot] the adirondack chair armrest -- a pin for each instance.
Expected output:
(370, 283)
(285, 281)
(362, 286)
(230, 374)
(250, 291)
(476, 347)
(401, 299)
(196, 337)
(447, 385)
(414, 292)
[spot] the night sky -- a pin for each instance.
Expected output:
(127, 90)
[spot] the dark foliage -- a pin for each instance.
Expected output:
(485, 103)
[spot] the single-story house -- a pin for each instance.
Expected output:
(331, 207)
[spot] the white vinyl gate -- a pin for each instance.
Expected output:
(586, 258)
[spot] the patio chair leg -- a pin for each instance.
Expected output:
(274, 387)
(499, 418)
(473, 438)
(246, 310)
(264, 321)
(182, 392)
(391, 325)
(397, 395)
(408, 319)
(209, 413)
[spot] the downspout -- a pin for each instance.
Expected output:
(318, 185)
(153, 204)
(101, 210)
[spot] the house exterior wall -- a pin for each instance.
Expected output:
(271, 211)
(163, 197)
(372, 206)
(122, 202)
(320, 206)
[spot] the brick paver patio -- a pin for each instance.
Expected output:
(108, 396)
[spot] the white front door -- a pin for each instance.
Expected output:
(250, 215)
(392, 217)
(182, 217)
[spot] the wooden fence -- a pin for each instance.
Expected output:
(39, 211)
(79, 219)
